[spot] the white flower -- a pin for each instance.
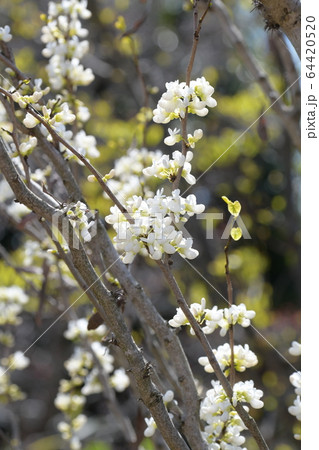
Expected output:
(179, 97)
(295, 410)
(78, 328)
(17, 210)
(79, 362)
(62, 401)
(295, 380)
(179, 319)
(64, 115)
(83, 113)
(30, 121)
(151, 427)
(243, 358)
(119, 380)
(77, 74)
(235, 314)
(16, 361)
(13, 294)
(212, 318)
(79, 421)
(92, 383)
(128, 179)
(104, 356)
(172, 104)
(166, 168)
(202, 97)
(244, 391)
(173, 137)
(192, 139)
(26, 147)
(184, 248)
(79, 216)
(65, 429)
(153, 228)
(191, 205)
(168, 397)
(295, 348)
(75, 443)
(5, 35)
(223, 425)
(198, 311)
(86, 144)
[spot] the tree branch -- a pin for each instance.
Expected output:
(107, 307)
(284, 15)
(250, 63)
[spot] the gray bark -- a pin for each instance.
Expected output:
(284, 15)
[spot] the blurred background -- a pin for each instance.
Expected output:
(245, 158)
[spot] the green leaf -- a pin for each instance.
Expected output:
(120, 23)
(233, 207)
(226, 199)
(236, 233)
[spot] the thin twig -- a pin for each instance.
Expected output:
(197, 29)
(230, 302)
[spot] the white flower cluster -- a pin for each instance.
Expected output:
(23, 96)
(153, 227)
(85, 378)
(79, 216)
(243, 358)
(165, 168)
(180, 98)
(62, 35)
(82, 361)
(27, 147)
(78, 329)
(58, 114)
(9, 391)
(295, 380)
(12, 300)
(232, 315)
(5, 34)
(128, 178)
(14, 361)
(69, 431)
(223, 425)
(175, 137)
(214, 317)
(56, 117)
